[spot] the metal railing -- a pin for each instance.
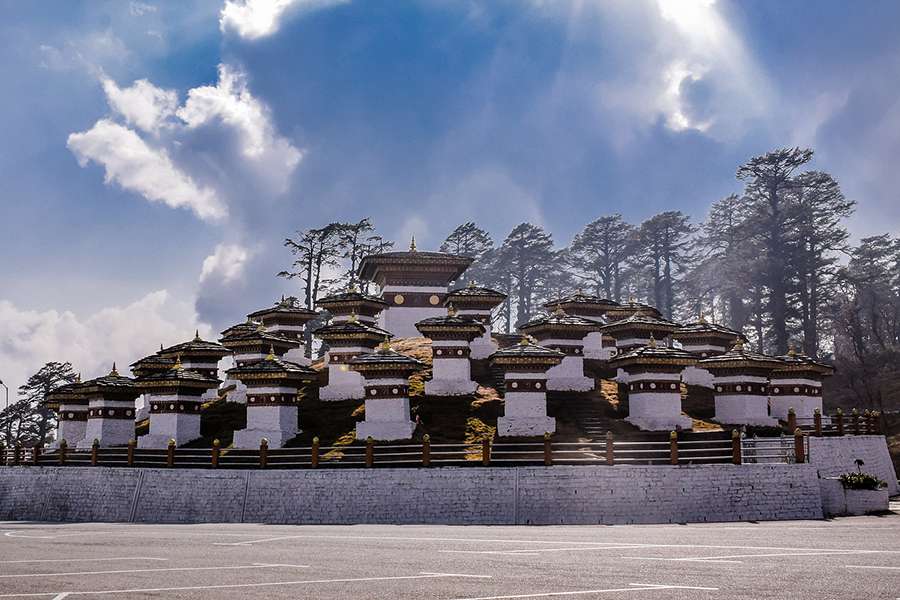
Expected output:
(856, 423)
(650, 450)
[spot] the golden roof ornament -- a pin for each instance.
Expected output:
(352, 287)
(77, 377)
(451, 310)
(558, 311)
(792, 351)
(113, 372)
(385, 345)
(471, 283)
(177, 364)
(738, 345)
(701, 318)
(196, 335)
(354, 318)
(652, 342)
(412, 245)
(271, 354)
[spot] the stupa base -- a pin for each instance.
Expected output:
(450, 387)
(342, 391)
(525, 426)
(385, 430)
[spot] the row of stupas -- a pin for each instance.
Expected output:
(651, 357)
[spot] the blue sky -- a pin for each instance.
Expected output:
(155, 154)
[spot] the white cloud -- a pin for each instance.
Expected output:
(254, 19)
(139, 9)
(143, 104)
(117, 333)
(226, 264)
(136, 166)
(231, 103)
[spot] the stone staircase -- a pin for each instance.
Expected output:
(592, 418)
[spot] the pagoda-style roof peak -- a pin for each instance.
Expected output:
(285, 306)
(177, 375)
(259, 335)
(741, 357)
(474, 291)
(351, 327)
(641, 321)
(350, 296)
(795, 361)
(580, 297)
(113, 381)
(559, 319)
(705, 328)
(65, 393)
(654, 353)
(239, 329)
(195, 346)
(432, 268)
(386, 358)
(274, 367)
(528, 351)
(451, 321)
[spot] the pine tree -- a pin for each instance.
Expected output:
(28, 421)
(597, 255)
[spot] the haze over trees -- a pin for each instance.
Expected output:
(26, 420)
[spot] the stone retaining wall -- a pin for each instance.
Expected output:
(450, 495)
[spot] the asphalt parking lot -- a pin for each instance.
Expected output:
(855, 557)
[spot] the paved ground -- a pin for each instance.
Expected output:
(845, 558)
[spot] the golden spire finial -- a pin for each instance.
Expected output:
(160, 347)
(451, 310)
(652, 342)
(412, 244)
(632, 299)
(792, 351)
(738, 345)
(177, 364)
(385, 345)
(260, 327)
(558, 311)
(113, 372)
(352, 287)
(471, 283)
(78, 378)
(196, 335)
(271, 354)
(701, 318)
(354, 318)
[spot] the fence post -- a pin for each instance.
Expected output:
(63, 446)
(792, 419)
(855, 417)
(370, 451)
(798, 447)
(868, 417)
(839, 421)
(817, 422)
(263, 453)
(95, 446)
(170, 454)
(131, 445)
(548, 451)
(736, 447)
(486, 452)
(214, 455)
(314, 453)
(2, 455)
(673, 447)
(426, 450)
(610, 456)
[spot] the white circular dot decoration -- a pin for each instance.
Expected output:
(796, 389)
(459, 352)
(515, 384)
(673, 385)
(71, 415)
(776, 390)
(739, 387)
(718, 388)
(110, 412)
(171, 407)
(439, 352)
(395, 391)
(537, 385)
(372, 392)
(127, 413)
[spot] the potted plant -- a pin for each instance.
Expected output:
(864, 493)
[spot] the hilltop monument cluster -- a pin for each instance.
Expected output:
(652, 359)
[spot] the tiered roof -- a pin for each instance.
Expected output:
(288, 307)
(582, 304)
(740, 358)
(527, 352)
(632, 307)
(385, 361)
(559, 321)
(195, 347)
(151, 364)
(795, 363)
(654, 355)
(436, 268)
(642, 322)
(113, 383)
(68, 393)
(349, 300)
(474, 296)
(451, 323)
(177, 377)
(273, 368)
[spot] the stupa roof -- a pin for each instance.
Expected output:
(583, 299)
(150, 364)
(258, 335)
(272, 367)
(794, 362)
(436, 265)
(632, 307)
(67, 393)
(195, 346)
(452, 321)
(385, 359)
(248, 325)
(703, 328)
(641, 321)
(350, 297)
(526, 351)
(654, 354)
(177, 376)
(740, 357)
(473, 291)
(113, 382)
(351, 328)
(285, 306)
(558, 319)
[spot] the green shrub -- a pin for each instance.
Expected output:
(861, 481)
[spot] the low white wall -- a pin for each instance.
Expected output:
(834, 456)
(451, 495)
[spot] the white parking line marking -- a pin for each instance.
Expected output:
(229, 586)
(99, 559)
(635, 587)
(730, 558)
(225, 568)
(535, 551)
(871, 567)
(61, 596)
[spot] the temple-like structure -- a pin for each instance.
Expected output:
(797, 384)
(71, 406)
(451, 357)
(274, 388)
(564, 333)
(704, 339)
(741, 386)
(386, 374)
(654, 386)
(597, 345)
(477, 303)
(413, 284)
(111, 412)
(346, 341)
(353, 304)
(524, 369)
(287, 319)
